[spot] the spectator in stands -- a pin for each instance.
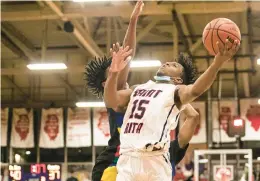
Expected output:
(72, 177)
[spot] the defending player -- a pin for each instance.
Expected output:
(151, 107)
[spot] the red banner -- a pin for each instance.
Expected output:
(101, 127)
(51, 135)
(78, 128)
(221, 118)
(250, 112)
(4, 126)
(22, 128)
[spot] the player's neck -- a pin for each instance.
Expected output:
(163, 82)
(163, 79)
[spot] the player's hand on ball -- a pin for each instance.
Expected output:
(225, 53)
(138, 9)
(120, 59)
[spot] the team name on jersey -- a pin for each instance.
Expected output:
(138, 109)
(147, 93)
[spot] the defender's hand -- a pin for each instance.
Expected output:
(120, 59)
(226, 53)
(115, 48)
(138, 9)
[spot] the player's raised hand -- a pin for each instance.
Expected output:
(120, 59)
(138, 9)
(115, 48)
(225, 53)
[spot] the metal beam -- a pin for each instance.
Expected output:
(184, 28)
(125, 10)
(33, 56)
(88, 41)
(93, 50)
(72, 37)
(210, 7)
(10, 28)
(245, 76)
(87, 26)
(175, 37)
(180, 30)
(142, 33)
(18, 42)
(195, 46)
(120, 22)
(12, 83)
(109, 37)
(89, 11)
(250, 36)
(158, 32)
(97, 27)
(18, 52)
(86, 21)
(44, 41)
(12, 47)
(41, 4)
(116, 29)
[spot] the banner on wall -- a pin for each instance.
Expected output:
(250, 112)
(78, 128)
(200, 131)
(101, 127)
(220, 120)
(51, 135)
(22, 135)
(4, 126)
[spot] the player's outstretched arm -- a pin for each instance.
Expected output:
(113, 98)
(130, 40)
(179, 146)
(188, 128)
(189, 93)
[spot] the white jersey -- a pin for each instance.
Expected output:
(150, 115)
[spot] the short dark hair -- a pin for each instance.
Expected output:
(190, 73)
(95, 75)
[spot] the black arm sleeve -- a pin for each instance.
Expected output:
(177, 153)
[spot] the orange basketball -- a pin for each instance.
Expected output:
(219, 30)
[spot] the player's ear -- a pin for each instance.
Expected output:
(177, 80)
(103, 83)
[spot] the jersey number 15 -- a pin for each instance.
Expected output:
(140, 106)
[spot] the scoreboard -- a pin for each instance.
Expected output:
(35, 172)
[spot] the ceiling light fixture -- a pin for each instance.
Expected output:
(46, 66)
(90, 104)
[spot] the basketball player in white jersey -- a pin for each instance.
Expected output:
(151, 110)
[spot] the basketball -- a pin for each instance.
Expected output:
(219, 30)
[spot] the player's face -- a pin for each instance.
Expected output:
(171, 69)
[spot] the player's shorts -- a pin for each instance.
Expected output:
(103, 161)
(136, 167)
(109, 174)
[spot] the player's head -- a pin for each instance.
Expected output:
(96, 75)
(181, 71)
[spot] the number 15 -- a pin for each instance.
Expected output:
(140, 105)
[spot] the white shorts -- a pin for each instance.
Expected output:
(144, 168)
